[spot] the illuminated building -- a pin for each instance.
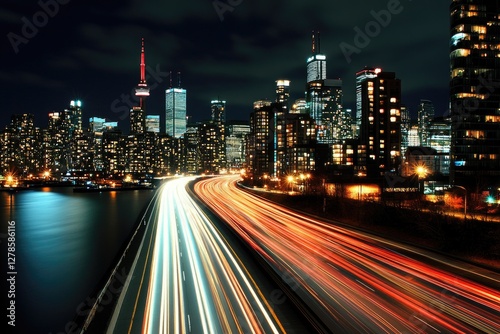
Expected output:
(153, 123)
(218, 110)
(137, 121)
(299, 107)
(190, 155)
(413, 136)
(323, 96)
(208, 147)
(137, 154)
(405, 129)
(440, 134)
(235, 144)
(283, 93)
(316, 63)
(425, 115)
(300, 144)
(380, 131)
(474, 93)
(175, 111)
(113, 145)
(96, 124)
(21, 146)
(260, 160)
(57, 144)
(142, 89)
(425, 157)
(362, 76)
(324, 103)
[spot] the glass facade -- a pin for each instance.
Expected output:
(175, 112)
(474, 93)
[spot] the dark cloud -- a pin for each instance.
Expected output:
(90, 50)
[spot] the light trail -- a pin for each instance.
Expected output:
(355, 282)
(195, 281)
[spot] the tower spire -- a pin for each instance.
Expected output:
(143, 62)
(142, 89)
(315, 42)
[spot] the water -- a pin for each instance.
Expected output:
(65, 243)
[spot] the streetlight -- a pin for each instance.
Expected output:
(465, 201)
(290, 180)
(421, 171)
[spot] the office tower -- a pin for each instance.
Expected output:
(208, 148)
(235, 144)
(153, 123)
(413, 136)
(440, 134)
(21, 146)
(299, 107)
(425, 115)
(300, 144)
(96, 124)
(405, 129)
(260, 148)
(362, 76)
(142, 89)
(137, 121)
(316, 63)
(475, 93)
(283, 93)
(114, 154)
(175, 111)
(74, 115)
(324, 102)
(191, 156)
(218, 111)
(380, 129)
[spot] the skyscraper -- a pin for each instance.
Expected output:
(425, 115)
(218, 109)
(316, 63)
(175, 111)
(153, 123)
(323, 96)
(324, 102)
(380, 130)
(361, 76)
(475, 93)
(283, 93)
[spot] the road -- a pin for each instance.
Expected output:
(186, 277)
(356, 282)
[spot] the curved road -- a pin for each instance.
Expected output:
(186, 278)
(356, 282)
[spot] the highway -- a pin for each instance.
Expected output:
(356, 282)
(186, 277)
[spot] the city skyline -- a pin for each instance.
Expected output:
(218, 50)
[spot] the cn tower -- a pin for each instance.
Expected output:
(142, 89)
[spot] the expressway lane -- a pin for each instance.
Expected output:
(187, 278)
(353, 281)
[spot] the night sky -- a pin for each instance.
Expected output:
(228, 49)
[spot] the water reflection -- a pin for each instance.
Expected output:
(65, 244)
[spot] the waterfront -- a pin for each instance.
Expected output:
(65, 243)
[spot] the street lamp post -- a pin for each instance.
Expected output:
(465, 200)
